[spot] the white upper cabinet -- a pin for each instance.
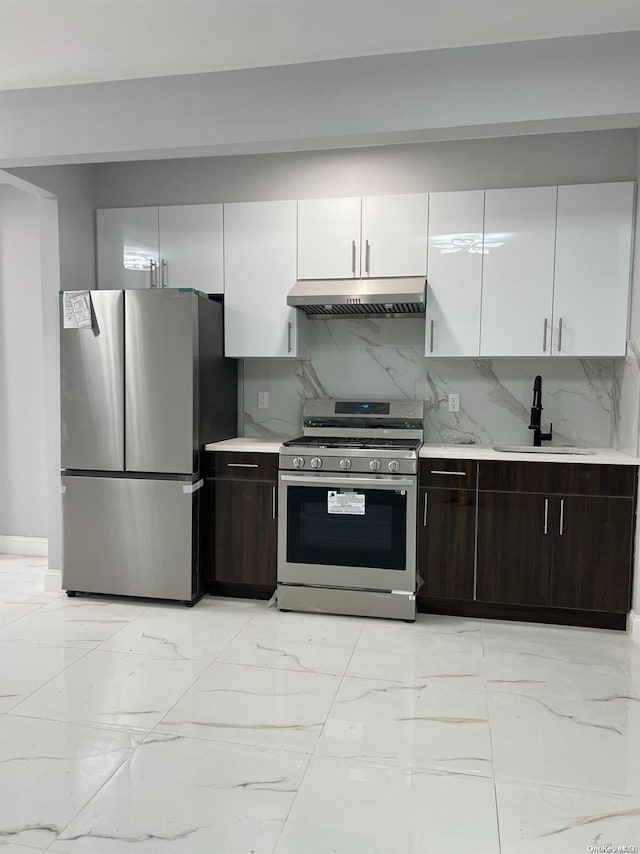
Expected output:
(260, 270)
(127, 244)
(517, 277)
(175, 246)
(329, 238)
(191, 248)
(394, 235)
(454, 279)
(593, 267)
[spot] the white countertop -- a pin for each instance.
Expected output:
(248, 445)
(599, 456)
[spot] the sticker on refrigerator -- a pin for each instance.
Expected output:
(345, 503)
(77, 310)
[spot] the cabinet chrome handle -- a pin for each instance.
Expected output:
(163, 274)
(456, 473)
(544, 336)
(353, 257)
(273, 502)
(289, 347)
(561, 516)
(431, 337)
(424, 515)
(560, 335)
(546, 515)
(242, 465)
(367, 256)
(152, 267)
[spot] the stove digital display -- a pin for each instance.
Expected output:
(348, 407)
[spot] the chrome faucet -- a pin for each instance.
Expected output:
(536, 413)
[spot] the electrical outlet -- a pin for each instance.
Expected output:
(263, 400)
(454, 403)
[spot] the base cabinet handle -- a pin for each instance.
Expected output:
(561, 516)
(546, 515)
(424, 515)
(273, 502)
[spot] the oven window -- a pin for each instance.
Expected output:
(375, 539)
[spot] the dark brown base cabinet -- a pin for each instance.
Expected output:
(530, 540)
(446, 543)
(243, 501)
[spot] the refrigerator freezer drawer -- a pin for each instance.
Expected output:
(129, 537)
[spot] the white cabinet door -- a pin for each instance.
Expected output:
(329, 238)
(260, 270)
(454, 280)
(394, 235)
(593, 268)
(127, 243)
(191, 249)
(517, 276)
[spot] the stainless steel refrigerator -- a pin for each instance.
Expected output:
(143, 389)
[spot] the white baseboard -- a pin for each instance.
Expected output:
(52, 581)
(633, 626)
(32, 546)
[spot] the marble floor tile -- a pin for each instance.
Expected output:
(12, 848)
(569, 670)
(564, 821)
(254, 705)
(427, 725)
(308, 642)
(113, 689)
(407, 653)
(49, 770)
(178, 633)
(26, 666)
(185, 795)
(12, 611)
(558, 741)
(73, 622)
(349, 806)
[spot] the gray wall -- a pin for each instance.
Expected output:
(73, 187)
(517, 161)
(23, 497)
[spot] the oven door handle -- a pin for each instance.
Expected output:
(366, 482)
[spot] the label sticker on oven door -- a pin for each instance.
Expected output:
(345, 503)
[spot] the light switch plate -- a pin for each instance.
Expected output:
(263, 400)
(454, 403)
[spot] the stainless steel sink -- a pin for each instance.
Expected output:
(530, 449)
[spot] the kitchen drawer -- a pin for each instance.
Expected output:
(448, 473)
(560, 478)
(245, 466)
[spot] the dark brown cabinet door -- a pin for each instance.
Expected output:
(246, 532)
(446, 543)
(592, 553)
(514, 553)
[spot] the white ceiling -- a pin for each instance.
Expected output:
(53, 42)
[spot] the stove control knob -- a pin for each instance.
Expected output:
(345, 463)
(316, 463)
(374, 465)
(298, 462)
(394, 466)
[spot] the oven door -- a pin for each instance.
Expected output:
(350, 531)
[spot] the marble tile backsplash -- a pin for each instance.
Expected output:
(370, 358)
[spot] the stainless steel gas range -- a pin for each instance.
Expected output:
(347, 509)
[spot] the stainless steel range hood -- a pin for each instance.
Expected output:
(364, 297)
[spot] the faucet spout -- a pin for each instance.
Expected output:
(536, 415)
